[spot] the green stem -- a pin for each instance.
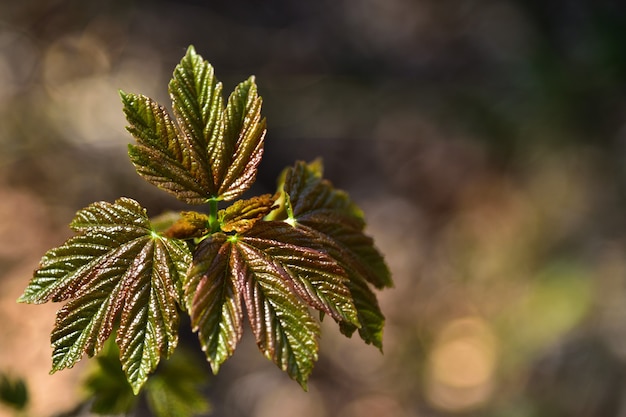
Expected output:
(214, 225)
(290, 217)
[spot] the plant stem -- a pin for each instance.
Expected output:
(214, 225)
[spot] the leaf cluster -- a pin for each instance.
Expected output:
(269, 260)
(13, 392)
(173, 391)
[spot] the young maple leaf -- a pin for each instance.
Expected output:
(336, 224)
(210, 151)
(273, 269)
(116, 268)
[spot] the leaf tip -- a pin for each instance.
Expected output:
(55, 368)
(126, 97)
(136, 388)
(304, 384)
(215, 367)
(378, 343)
(317, 167)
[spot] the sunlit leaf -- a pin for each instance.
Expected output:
(189, 224)
(327, 214)
(273, 268)
(165, 156)
(198, 104)
(116, 270)
(243, 214)
(211, 150)
(370, 317)
(240, 151)
(313, 275)
(213, 301)
(313, 199)
(284, 330)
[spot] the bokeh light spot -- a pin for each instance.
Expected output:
(461, 365)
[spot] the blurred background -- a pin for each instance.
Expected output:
(484, 140)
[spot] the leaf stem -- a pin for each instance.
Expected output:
(214, 225)
(290, 217)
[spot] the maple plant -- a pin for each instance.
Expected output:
(273, 258)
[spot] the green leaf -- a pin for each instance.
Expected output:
(116, 269)
(370, 317)
(107, 388)
(163, 155)
(284, 330)
(13, 392)
(273, 268)
(197, 102)
(211, 151)
(176, 388)
(313, 199)
(314, 276)
(314, 206)
(238, 157)
(213, 300)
